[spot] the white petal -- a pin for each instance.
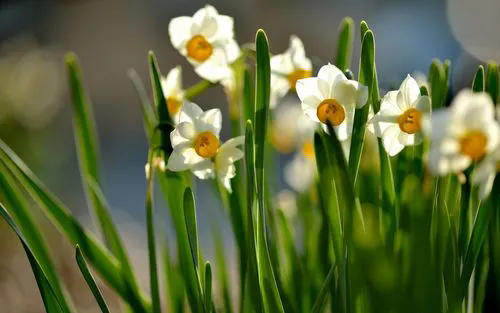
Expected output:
(423, 104)
(182, 133)
(344, 130)
(203, 169)
(183, 157)
(224, 173)
(298, 54)
(493, 132)
(349, 93)
(308, 87)
(171, 85)
(179, 30)
(230, 155)
(210, 120)
(459, 162)
(225, 27)
(232, 143)
(389, 103)
(205, 22)
(408, 93)
(381, 121)
(232, 50)
(330, 74)
(281, 64)
(479, 105)
(176, 162)
(215, 68)
(436, 126)
(279, 87)
(190, 112)
(410, 139)
(390, 139)
(300, 173)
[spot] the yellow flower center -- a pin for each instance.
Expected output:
(173, 105)
(297, 74)
(308, 150)
(206, 144)
(473, 144)
(331, 110)
(409, 121)
(199, 48)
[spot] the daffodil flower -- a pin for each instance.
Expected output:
(195, 139)
(290, 128)
(207, 41)
(484, 174)
(464, 133)
(287, 68)
(398, 122)
(173, 92)
(331, 97)
(301, 172)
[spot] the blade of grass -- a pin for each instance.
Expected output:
(366, 72)
(153, 268)
(90, 280)
(222, 271)
(148, 112)
(269, 289)
(173, 281)
(50, 300)
(208, 288)
(344, 44)
(320, 302)
(88, 156)
(492, 81)
(104, 262)
(14, 200)
(478, 82)
(190, 219)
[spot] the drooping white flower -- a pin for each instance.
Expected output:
(332, 97)
(301, 172)
(398, 122)
(195, 139)
(287, 68)
(463, 133)
(173, 92)
(484, 174)
(290, 128)
(207, 41)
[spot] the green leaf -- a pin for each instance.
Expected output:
(90, 280)
(478, 82)
(492, 81)
(366, 74)
(173, 281)
(252, 283)
(248, 96)
(320, 302)
(363, 28)
(14, 200)
(344, 44)
(153, 268)
(222, 268)
(88, 155)
(208, 288)
(148, 112)
(196, 89)
(105, 263)
(51, 302)
(190, 219)
(438, 84)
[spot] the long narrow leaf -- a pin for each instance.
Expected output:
(148, 112)
(90, 280)
(344, 44)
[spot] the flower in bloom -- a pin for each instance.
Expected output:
(301, 172)
(484, 174)
(287, 68)
(331, 97)
(196, 145)
(207, 41)
(464, 133)
(399, 121)
(173, 93)
(290, 128)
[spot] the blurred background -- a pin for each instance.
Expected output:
(112, 36)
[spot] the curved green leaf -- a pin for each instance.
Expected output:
(344, 44)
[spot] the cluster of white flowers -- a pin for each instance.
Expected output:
(463, 134)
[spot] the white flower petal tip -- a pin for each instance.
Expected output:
(171, 86)
(401, 117)
(207, 40)
(287, 68)
(464, 133)
(301, 172)
(227, 155)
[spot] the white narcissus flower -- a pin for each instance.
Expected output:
(173, 92)
(195, 139)
(399, 121)
(287, 68)
(332, 97)
(484, 174)
(301, 172)
(207, 41)
(463, 133)
(290, 128)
